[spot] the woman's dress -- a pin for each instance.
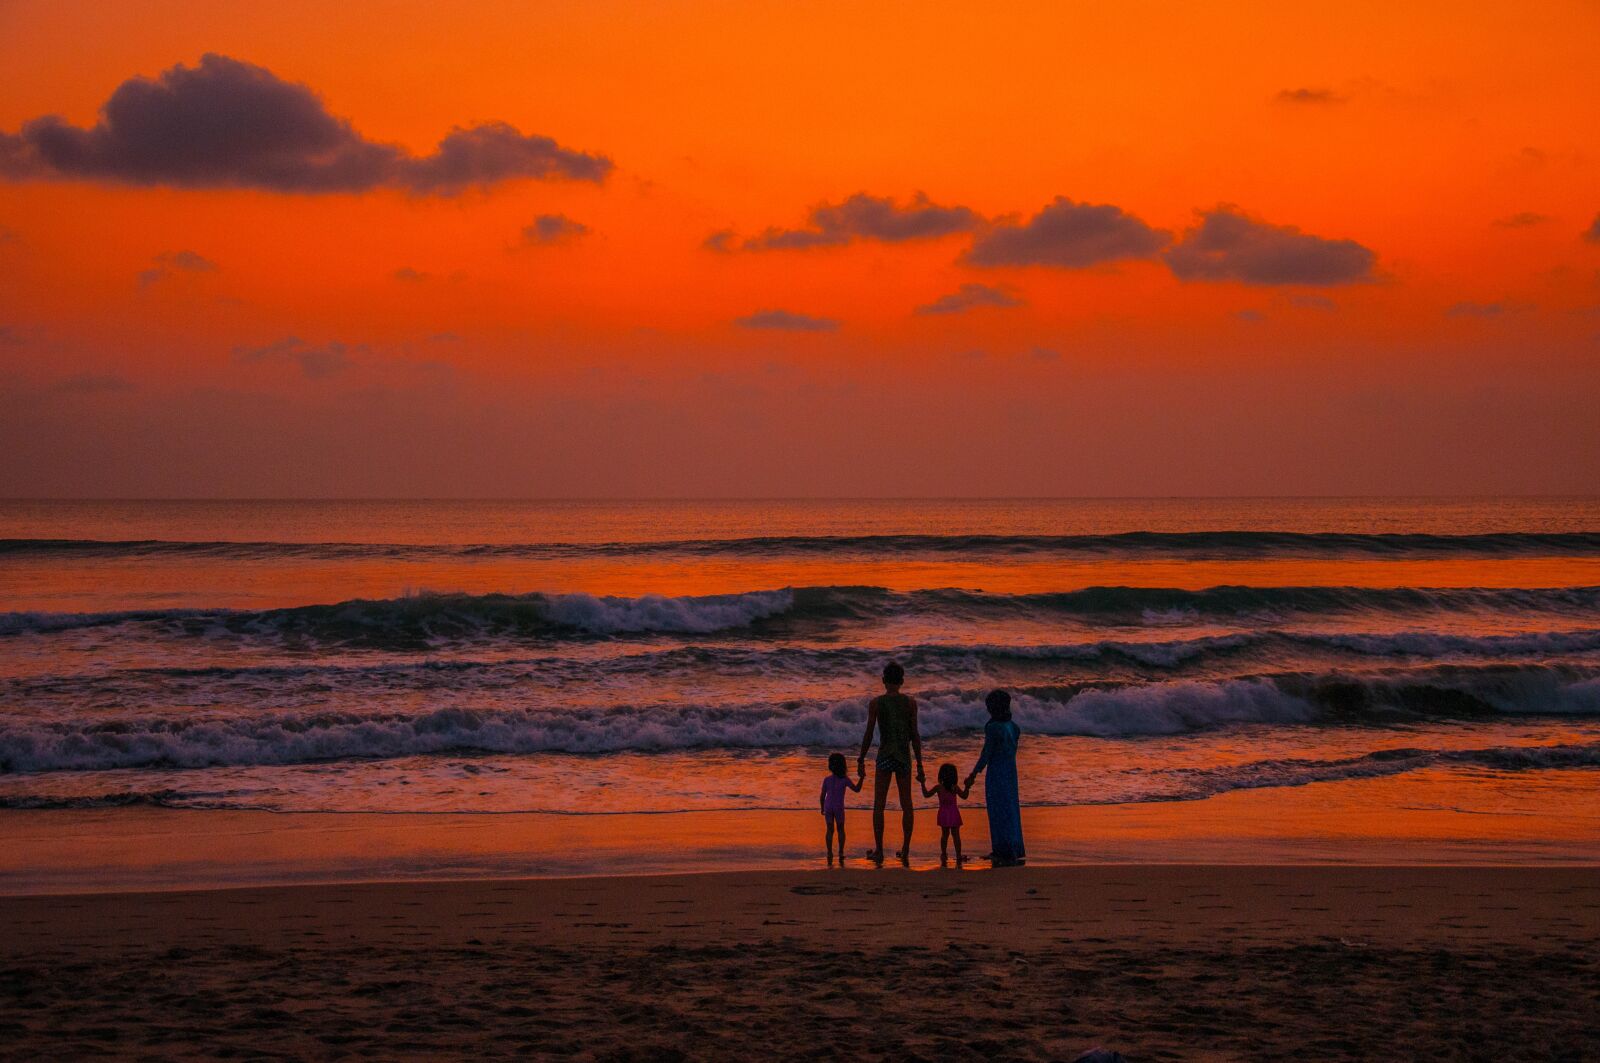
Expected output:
(1000, 790)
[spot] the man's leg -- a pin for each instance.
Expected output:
(880, 796)
(908, 811)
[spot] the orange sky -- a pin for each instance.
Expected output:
(610, 363)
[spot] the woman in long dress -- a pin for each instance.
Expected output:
(999, 756)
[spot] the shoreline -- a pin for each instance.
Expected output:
(1371, 822)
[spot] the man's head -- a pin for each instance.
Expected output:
(893, 675)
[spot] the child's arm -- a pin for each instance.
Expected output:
(856, 786)
(822, 798)
(926, 790)
(965, 790)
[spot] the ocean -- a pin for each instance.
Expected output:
(592, 658)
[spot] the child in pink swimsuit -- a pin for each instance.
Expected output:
(949, 789)
(834, 785)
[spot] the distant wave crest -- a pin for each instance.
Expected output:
(1189, 544)
(417, 618)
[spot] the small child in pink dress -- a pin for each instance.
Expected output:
(949, 789)
(834, 785)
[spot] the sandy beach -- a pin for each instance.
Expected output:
(1159, 962)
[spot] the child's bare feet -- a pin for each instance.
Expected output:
(875, 855)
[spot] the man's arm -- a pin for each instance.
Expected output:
(866, 739)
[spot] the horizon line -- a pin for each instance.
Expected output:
(1470, 496)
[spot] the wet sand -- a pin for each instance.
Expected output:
(1419, 818)
(1159, 962)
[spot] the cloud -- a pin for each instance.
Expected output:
(316, 362)
(1314, 302)
(1592, 233)
(968, 297)
(1496, 309)
(1250, 317)
(1308, 96)
(1069, 235)
(91, 384)
(487, 154)
(1521, 220)
(860, 217)
(552, 229)
(8, 235)
(785, 320)
(170, 263)
(231, 124)
(1229, 246)
(410, 275)
(10, 337)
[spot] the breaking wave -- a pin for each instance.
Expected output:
(1100, 710)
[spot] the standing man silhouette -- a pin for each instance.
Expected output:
(894, 716)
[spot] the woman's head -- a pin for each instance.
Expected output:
(948, 777)
(999, 705)
(893, 674)
(836, 763)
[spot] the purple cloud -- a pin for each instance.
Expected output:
(1495, 309)
(1592, 233)
(487, 154)
(860, 217)
(1522, 220)
(231, 124)
(968, 297)
(1068, 235)
(1229, 246)
(786, 321)
(316, 362)
(169, 263)
(552, 229)
(1304, 96)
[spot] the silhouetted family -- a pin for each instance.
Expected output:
(892, 716)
